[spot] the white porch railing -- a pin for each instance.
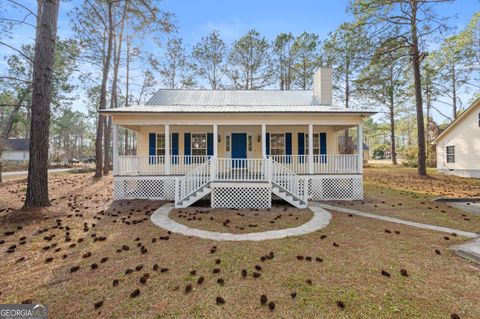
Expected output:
(239, 169)
(335, 164)
(251, 169)
(296, 163)
(141, 165)
(155, 165)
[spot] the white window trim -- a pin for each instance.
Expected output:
(191, 144)
(452, 155)
(284, 139)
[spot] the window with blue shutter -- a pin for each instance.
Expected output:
(288, 147)
(323, 146)
(152, 147)
(301, 146)
(210, 144)
(187, 147)
(175, 148)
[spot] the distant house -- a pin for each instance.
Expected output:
(16, 150)
(239, 147)
(458, 146)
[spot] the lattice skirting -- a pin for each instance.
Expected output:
(336, 187)
(241, 195)
(144, 187)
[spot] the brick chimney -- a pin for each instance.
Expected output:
(322, 85)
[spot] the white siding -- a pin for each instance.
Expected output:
(15, 156)
(465, 136)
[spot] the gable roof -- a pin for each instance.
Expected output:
(18, 144)
(232, 98)
(472, 107)
(233, 101)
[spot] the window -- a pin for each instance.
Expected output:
(160, 144)
(316, 144)
(227, 143)
(451, 154)
(277, 144)
(199, 144)
(250, 143)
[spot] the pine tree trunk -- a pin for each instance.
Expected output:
(422, 168)
(43, 61)
(103, 96)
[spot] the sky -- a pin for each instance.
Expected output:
(196, 18)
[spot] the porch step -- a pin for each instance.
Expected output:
(288, 197)
(194, 197)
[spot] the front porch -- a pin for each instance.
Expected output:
(239, 165)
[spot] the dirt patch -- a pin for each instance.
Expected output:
(241, 221)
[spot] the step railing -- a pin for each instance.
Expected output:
(192, 181)
(236, 169)
(288, 180)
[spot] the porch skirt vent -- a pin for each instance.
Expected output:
(144, 187)
(241, 195)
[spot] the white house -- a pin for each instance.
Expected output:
(16, 150)
(458, 146)
(239, 147)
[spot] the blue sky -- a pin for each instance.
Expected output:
(196, 18)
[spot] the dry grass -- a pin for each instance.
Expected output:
(241, 221)
(437, 285)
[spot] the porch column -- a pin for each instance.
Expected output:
(360, 147)
(310, 149)
(167, 149)
(115, 148)
(215, 140)
(264, 140)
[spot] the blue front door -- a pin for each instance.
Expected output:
(239, 148)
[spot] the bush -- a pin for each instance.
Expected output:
(410, 155)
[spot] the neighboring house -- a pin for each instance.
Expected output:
(458, 146)
(239, 147)
(16, 150)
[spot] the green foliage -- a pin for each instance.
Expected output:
(210, 56)
(251, 66)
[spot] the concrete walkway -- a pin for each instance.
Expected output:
(52, 170)
(321, 218)
(400, 221)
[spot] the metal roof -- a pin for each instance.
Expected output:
(232, 97)
(234, 109)
(233, 101)
(18, 144)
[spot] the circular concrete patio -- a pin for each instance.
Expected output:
(320, 219)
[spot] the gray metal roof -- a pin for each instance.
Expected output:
(232, 97)
(233, 101)
(233, 109)
(18, 144)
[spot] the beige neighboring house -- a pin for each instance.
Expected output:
(239, 148)
(458, 146)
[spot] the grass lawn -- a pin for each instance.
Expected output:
(110, 237)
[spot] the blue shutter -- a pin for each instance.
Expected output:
(288, 147)
(175, 148)
(301, 146)
(267, 144)
(323, 146)
(152, 147)
(210, 144)
(187, 141)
